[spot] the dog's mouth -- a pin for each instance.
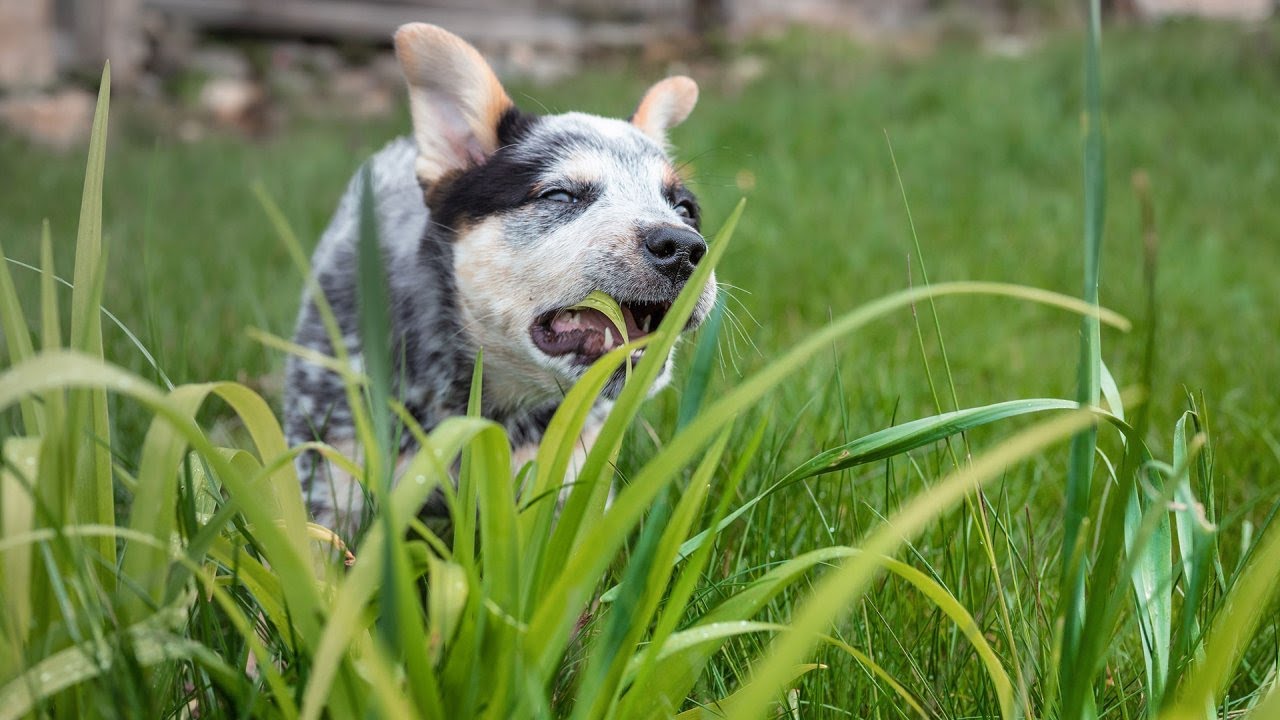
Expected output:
(586, 334)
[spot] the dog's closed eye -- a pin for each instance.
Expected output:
(559, 195)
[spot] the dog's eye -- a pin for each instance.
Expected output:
(557, 195)
(685, 210)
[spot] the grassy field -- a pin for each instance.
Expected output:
(989, 153)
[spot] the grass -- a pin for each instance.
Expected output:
(990, 159)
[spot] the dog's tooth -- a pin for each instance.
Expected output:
(568, 318)
(608, 338)
(647, 320)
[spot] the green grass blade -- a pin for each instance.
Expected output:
(945, 601)
(707, 713)
(607, 306)
(684, 658)
(1231, 630)
(680, 672)
(55, 403)
(375, 336)
(1080, 469)
(1152, 573)
(150, 642)
(1152, 581)
(426, 471)
(17, 336)
(556, 449)
(54, 280)
(400, 624)
(500, 551)
(50, 318)
(675, 680)
(156, 494)
(698, 378)
(70, 370)
(924, 276)
(356, 403)
(1268, 708)
(716, 634)
(918, 433)
(647, 576)
(838, 589)
(1196, 540)
(154, 502)
(884, 444)
(1119, 553)
(17, 513)
(95, 500)
(464, 515)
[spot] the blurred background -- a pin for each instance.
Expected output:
(238, 60)
(802, 103)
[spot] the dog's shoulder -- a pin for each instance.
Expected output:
(313, 393)
(399, 213)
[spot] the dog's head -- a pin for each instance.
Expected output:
(542, 210)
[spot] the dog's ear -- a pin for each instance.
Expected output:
(665, 106)
(455, 99)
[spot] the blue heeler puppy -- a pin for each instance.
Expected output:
(492, 222)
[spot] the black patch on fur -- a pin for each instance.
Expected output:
(514, 126)
(502, 183)
(510, 179)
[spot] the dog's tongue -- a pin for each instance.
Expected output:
(600, 333)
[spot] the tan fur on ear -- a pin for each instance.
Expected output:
(665, 106)
(454, 97)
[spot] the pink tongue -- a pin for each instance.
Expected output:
(583, 319)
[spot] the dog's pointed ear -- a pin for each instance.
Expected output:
(665, 106)
(455, 99)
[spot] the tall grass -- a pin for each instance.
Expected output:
(219, 599)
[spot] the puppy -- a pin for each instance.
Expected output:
(492, 221)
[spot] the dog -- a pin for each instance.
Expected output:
(492, 222)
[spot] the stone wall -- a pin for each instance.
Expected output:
(1244, 10)
(27, 57)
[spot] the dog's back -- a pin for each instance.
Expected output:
(423, 324)
(315, 400)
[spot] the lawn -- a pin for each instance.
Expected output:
(989, 152)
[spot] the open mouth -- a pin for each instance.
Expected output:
(586, 334)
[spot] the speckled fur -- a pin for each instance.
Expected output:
(472, 259)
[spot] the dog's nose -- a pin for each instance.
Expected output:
(673, 251)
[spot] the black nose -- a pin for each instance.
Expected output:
(674, 251)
